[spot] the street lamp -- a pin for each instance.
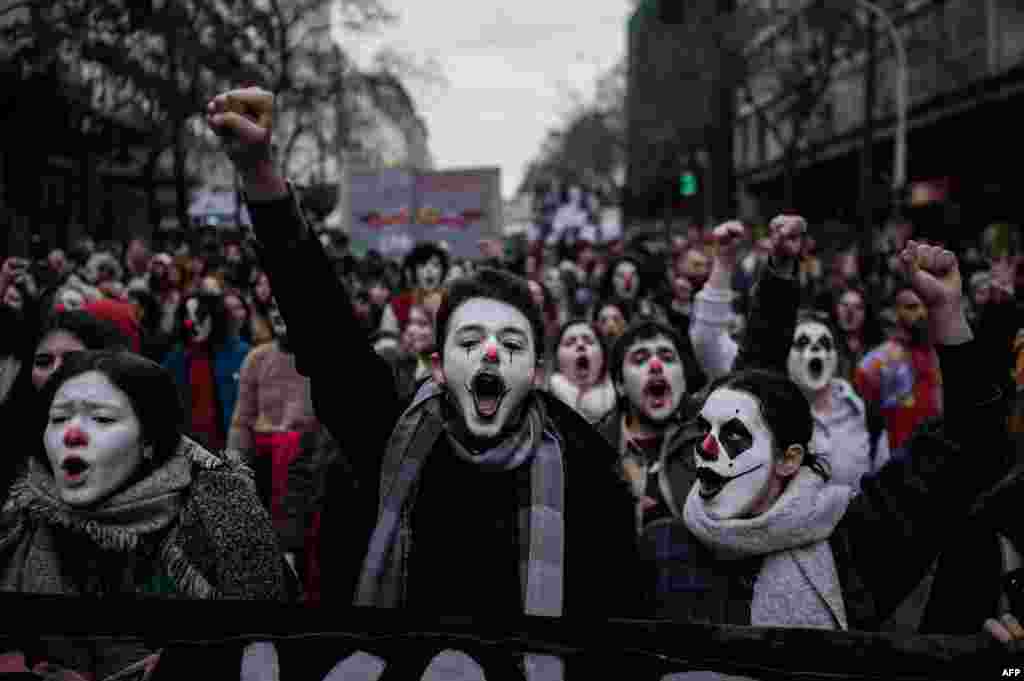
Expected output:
(899, 169)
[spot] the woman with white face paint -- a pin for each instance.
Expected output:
(119, 503)
(425, 269)
(841, 427)
(768, 539)
(582, 377)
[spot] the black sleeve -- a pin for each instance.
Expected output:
(914, 504)
(353, 389)
(771, 320)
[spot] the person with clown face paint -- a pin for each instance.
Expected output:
(472, 472)
(766, 538)
(425, 268)
(582, 377)
(841, 427)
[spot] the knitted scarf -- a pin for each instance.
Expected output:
(798, 585)
(137, 523)
(383, 580)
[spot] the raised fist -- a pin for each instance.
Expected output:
(786, 234)
(727, 237)
(934, 274)
(244, 121)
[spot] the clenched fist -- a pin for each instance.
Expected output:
(727, 237)
(244, 120)
(935, 276)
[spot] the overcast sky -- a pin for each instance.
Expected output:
(510, 67)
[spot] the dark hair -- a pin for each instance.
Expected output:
(602, 343)
(872, 329)
(607, 288)
(496, 285)
(625, 308)
(95, 333)
(784, 408)
(420, 254)
(149, 386)
(214, 302)
(645, 329)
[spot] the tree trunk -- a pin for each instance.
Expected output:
(867, 172)
(789, 179)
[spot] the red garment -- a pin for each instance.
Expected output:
(906, 384)
(121, 314)
(283, 449)
(205, 416)
(401, 305)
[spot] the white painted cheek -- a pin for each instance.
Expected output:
(739, 496)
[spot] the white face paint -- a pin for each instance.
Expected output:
(653, 379)
(626, 280)
(553, 280)
(71, 299)
(198, 320)
(580, 357)
(93, 439)
(428, 274)
(489, 363)
(735, 462)
(812, 357)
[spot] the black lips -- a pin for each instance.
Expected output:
(816, 366)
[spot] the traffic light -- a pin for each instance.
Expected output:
(688, 184)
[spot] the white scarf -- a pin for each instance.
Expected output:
(798, 585)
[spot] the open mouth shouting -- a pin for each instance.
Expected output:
(488, 391)
(74, 470)
(658, 392)
(815, 367)
(711, 483)
(582, 365)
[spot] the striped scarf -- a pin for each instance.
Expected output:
(542, 549)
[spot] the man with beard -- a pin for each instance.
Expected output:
(425, 267)
(901, 377)
(473, 472)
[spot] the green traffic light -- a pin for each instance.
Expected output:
(688, 184)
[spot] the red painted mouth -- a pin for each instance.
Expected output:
(74, 469)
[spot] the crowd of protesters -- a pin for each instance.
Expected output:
(342, 404)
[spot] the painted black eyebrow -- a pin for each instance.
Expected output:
(479, 328)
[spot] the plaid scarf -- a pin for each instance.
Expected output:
(383, 580)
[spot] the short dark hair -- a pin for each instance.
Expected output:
(150, 387)
(496, 285)
(625, 308)
(784, 407)
(644, 329)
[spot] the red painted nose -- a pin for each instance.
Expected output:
(656, 365)
(709, 448)
(629, 281)
(492, 354)
(189, 324)
(74, 437)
